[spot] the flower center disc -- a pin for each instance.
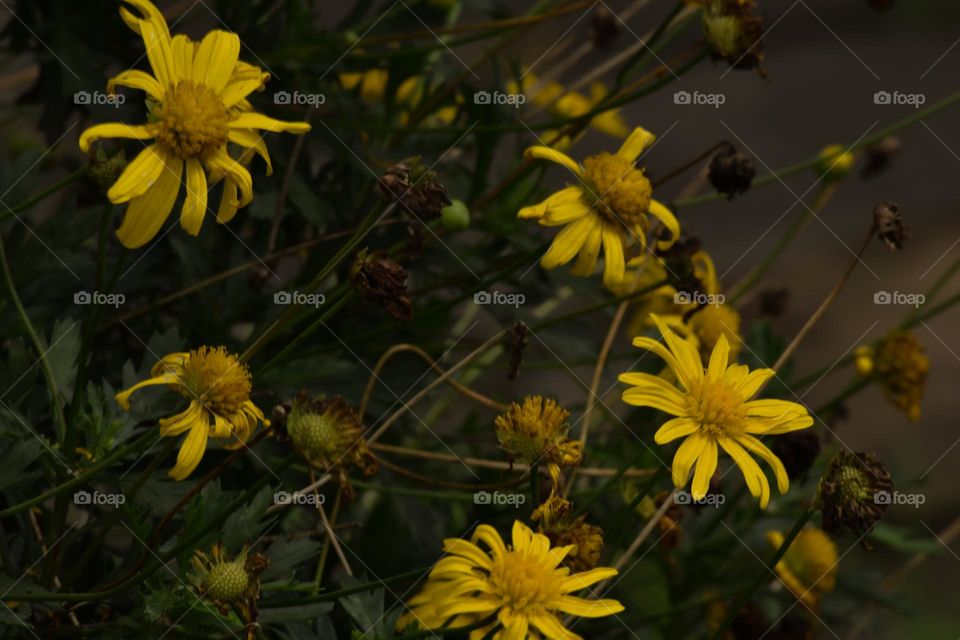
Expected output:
(522, 583)
(192, 121)
(217, 379)
(620, 192)
(718, 408)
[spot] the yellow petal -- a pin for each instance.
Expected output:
(191, 451)
(148, 13)
(589, 252)
(216, 58)
(156, 39)
(195, 203)
(686, 456)
(564, 196)
(675, 428)
(147, 213)
(140, 175)
(546, 153)
(552, 628)
(251, 140)
(584, 579)
(666, 217)
(568, 242)
(113, 130)
(260, 121)
(750, 383)
(228, 202)
(222, 164)
(706, 465)
(690, 370)
(561, 214)
(182, 49)
(175, 425)
(489, 536)
(123, 398)
(779, 471)
(613, 267)
(752, 474)
(136, 79)
(468, 550)
(634, 145)
(719, 359)
(521, 536)
(588, 608)
(237, 90)
(653, 391)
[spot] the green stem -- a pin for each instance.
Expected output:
(768, 569)
(535, 484)
(342, 593)
(600, 305)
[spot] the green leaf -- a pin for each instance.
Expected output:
(902, 539)
(248, 523)
(62, 356)
(295, 613)
(285, 555)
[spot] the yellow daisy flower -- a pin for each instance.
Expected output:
(218, 387)
(197, 103)
(809, 567)
(522, 584)
(713, 407)
(611, 206)
(536, 431)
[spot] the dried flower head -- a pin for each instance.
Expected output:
(731, 172)
(228, 583)
(734, 32)
(889, 225)
(535, 431)
(880, 156)
(382, 280)
(604, 26)
(415, 189)
(557, 521)
(516, 344)
(899, 364)
(329, 436)
(852, 492)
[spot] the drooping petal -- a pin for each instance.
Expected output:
(561, 214)
(186, 419)
(229, 203)
(564, 196)
(666, 217)
(147, 213)
(649, 344)
(195, 203)
(706, 465)
(222, 164)
(589, 252)
(779, 471)
(613, 262)
(239, 88)
(568, 242)
(558, 157)
(686, 456)
(584, 579)
(123, 398)
(113, 130)
(752, 473)
(552, 628)
(252, 140)
(136, 79)
(191, 451)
